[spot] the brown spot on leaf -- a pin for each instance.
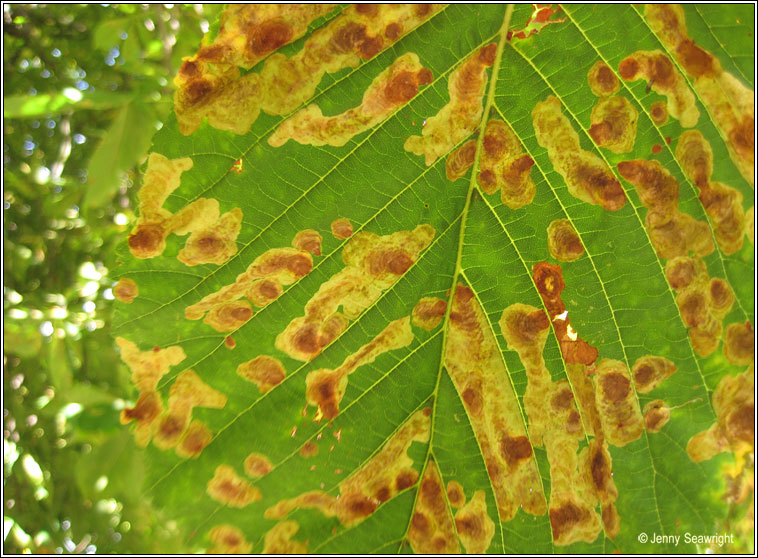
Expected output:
(342, 228)
(231, 490)
(428, 313)
(455, 494)
(617, 403)
(563, 242)
(659, 113)
(614, 124)
(431, 530)
(568, 523)
(739, 343)
(228, 540)
(602, 80)
(125, 290)
(308, 241)
(194, 441)
(474, 526)
(656, 415)
(264, 371)
(649, 371)
(309, 449)
(278, 539)
(460, 160)
(257, 465)
(514, 449)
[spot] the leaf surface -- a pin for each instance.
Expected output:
(399, 381)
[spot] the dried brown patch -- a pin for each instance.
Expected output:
(125, 290)
(504, 166)
(428, 313)
(228, 539)
(563, 242)
(614, 124)
(264, 371)
(257, 465)
(739, 343)
(431, 530)
(231, 490)
(475, 527)
(649, 371)
(602, 80)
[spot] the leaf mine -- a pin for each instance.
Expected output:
(474, 363)
(261, 283)
(563, 242)
(614, 124)
(656, 415)
(264, 371)
(308, 241)
(228, 539)
(232, 102)
(390, 90)
(380, 479)
(587, 176)
(722, 203)
(671, 232)
(278, 539)
(325, 388)
(656, 68)
(739, 344)
(730, 104)
(457, 119)
(342, 228)
(213, 236)
(648, 371)
(659, 113)
(504, 166)
(373, 263)
(230, 489)
(431, 530)
(126, 290)
(603, 81)
(257, 465)
(617, 403)
(428, 312)
(460, 161)
(734, 403)
(474, 526)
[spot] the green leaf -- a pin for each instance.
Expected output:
(122, 147)
(394, 404)
(31, 106)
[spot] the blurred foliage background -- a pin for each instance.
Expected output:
(85, 89)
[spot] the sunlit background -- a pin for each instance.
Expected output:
(85, 88)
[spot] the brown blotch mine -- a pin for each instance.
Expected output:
(380, 479)
(261, 282)
(194, 441)
(614, 124)
(228, 539)
(428, 312)
(734, 429)
(460, 116)
(730, 103)
(264, 371)
(549, 281)
(587, 176)
(455, 494)
(212, 235)
(656, 415)
(390, 90)
(739, 343)
(325, 388)
(504, 166)
(125, 290)
(656, 68)
(603, 81)
(722, 203)
(659, 114)
(257, 465)
(649, 371)
(309, 241)
(459, 161)
(671, 232)
(278, 539)
(563, 242)
(617, 403)
(474, 362)
(309, 449)
(431, 530)
(231, 490)
(342, 228)
(475, 527)
(373, 264)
